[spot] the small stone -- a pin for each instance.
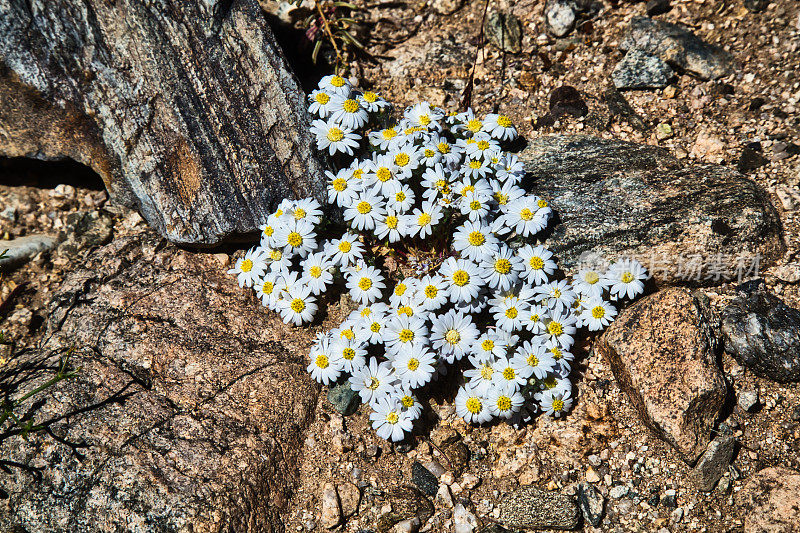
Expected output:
(9, 213)
(464, 521)
(664, 131)
(331, 516)
(639, 70)
(591, 503)
(592, 476)
(22, 249)
(410, 525)
(676, 515)
(789, 197)
(714, 462)
(424, 479)
(443, 497)
(447, 7)
(470, 481)
(566, 100)
(670, 92)
(435, 468)
(619, 107)
(65, 191)
(504, 31)
(756, 6)
(349, 498)
(372, 451)
(657, 7)
(670, 499)
(447, 478)
(751, 158)
(748, 400)
(532, 508)
(559, 16)
(618, 492)
(344, 399)
(708, 147)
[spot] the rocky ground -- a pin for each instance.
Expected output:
(619, 461)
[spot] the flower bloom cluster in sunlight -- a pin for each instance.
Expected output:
(435, 192)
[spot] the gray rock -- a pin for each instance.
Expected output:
(532, 508)
(748, 400)
(670, 499)
(763, 333)
(85, 230)
(678, 47)
(191, 403)
(504, 31)
(751, 158)
(22, 249)
(559, 16)
(618, 491)
(344, 399)
(424, 479)
(331, 514)
(639, 70)
(463, 520)
(615, 199)
(591, 503)
(714, 462)
(9, 213)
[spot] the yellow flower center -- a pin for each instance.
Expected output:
(364, 207)
(348, 353)
(366, 311)
(247, 265)
(400, 196)
(487, 345)
(413, 364)
(536, 263)
(315, 271)
(558, 405)
(501, 198)
(267, 287)
(487, 372)
(298, 305)
(443, 148)
(424, 219)
(502, 266)
(475, 205)
(526, 214)
(392, 418)
(512, 312)
(391, 221)
(509, 374)
(476, 238)
(373, 383)
(474, 164)
(474, 405)
(556, 293)
(364, 284)
(375, 327)
(542, 203)
(555, 328)
(627, 277)
(452, 336)
(598, 312)
(389, 133)
(400, 289)
(348, 334)
(335, 135)
(468, 188)
(532, 360)
(344, 246)
(429, 153)
(383, 174)
(407, 401)
(275, 255)
(460, 278)
(591, 277)
(339, 184)
(357, 173)
(401, 159)
(474, 125)
(431, 291)
(350, 105)
(503, 121)
(322, 98)
(268, 231)
(321, 361)
(337, 81)
(424, 120)
(535, 318)
(556, 352)
(299, 213)
(406, 335)
(483, 145)
(294, 239)
(503, 403)
(405, 310)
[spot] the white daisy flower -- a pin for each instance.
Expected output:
(435, 181)
(372, 381)
(534, 356)
(319, 103)
(250, 268)
(429, 154)
(374, 323)
(500, 127)
(554, 404)
(452, 335)
(351, 354)
(538, 263)
(335, 84)
(385, 138)
(403, 292)
(557, 384)
(306, 209)
(463, 278)
(406, 159)
(466, 185)
(471, 406)
(598, 314)
(487, 347)
(389, 421)
(365, 285)
(535, 318)
(347, 111)
(392, 227)
(414, 366)
(268, 291)
(475, 168)
(345, 251)
(474, 241)
(504, 194)
(408, 402)
(502, 269)
(590, 282)
(267, 235)
(298, 307)
(510, 374)
(481, 376)
(475, 205)
(484, 148)
(556, 295)
(509, 169)
(508, 313)
(342, 189)
(372, 102)
(296, 238)
(560, 327)
(432, 292)
(504, 403)
(365, 210)
(382, 176)
(405, 333)
(468, 122)
(324, 368)
(400, 198)
(626, 278)
(423, 115)
(523, 217)
(334, 137)
(423, 220)
(317, 272)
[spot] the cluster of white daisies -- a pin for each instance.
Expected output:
(427, 176)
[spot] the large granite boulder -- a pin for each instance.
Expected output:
(698, 225)
(188, 412)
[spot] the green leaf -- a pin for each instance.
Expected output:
(315, 53)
